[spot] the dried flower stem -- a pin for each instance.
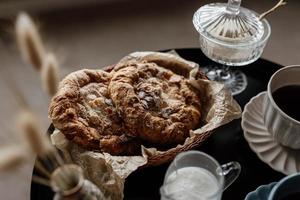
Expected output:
(38, 143)
(41, 169)
(280, 3)
(50, 74)
(41, 180)
(33, 52)
(59, 159)
(51, 159)
(11, 157)
(29, 41)
(65, 175)
(48, 163)
(51, 162)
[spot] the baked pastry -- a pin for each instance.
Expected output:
(83, 111)
(132, 103)
(157, 105)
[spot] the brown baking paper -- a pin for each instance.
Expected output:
(109, 172)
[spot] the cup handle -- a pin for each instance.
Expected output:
(230, 171)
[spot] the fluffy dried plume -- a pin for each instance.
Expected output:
(29, 41)
(11, 157)
(32, 134)
(50, 74)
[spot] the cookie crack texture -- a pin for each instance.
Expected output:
(136, 102)
(84, 112)
(157, 105)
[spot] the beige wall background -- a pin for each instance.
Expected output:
(92, 34)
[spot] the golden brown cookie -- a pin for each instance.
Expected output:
(83, 111)
(156, 104)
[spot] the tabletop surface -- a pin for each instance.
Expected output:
(226, 144)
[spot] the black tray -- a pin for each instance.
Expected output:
(226, 144)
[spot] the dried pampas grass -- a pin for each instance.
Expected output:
(32, 133)
(50, 74)
(33, 52)
(11, 157)
(49, 159)
(29, 41)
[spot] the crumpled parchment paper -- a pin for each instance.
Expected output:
(109, 172)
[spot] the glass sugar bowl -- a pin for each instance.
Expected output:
(230, 34)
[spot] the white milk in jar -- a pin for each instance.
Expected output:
(191, 183)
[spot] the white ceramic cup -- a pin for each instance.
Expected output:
(283, 128)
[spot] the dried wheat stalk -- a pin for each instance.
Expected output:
(33, 52)
(29, 41)
(43, 170)
(48, 158)
(50, 74)
(29, 125)
(41, 180)
(11, 157)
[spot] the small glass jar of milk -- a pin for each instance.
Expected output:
(194, 175)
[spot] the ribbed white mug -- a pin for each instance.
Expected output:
(283, 128)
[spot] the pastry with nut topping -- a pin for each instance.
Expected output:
(84, 112)
(157, 105)
(134, 103)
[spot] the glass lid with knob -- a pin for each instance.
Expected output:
(229, 23)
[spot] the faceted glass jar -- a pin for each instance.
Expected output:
(230, 34)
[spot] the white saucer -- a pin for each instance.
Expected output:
(278, 157)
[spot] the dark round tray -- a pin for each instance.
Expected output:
(226, 144)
